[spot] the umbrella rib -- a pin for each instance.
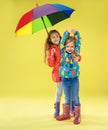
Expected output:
(44, 25)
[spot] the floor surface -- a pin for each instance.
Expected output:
(37, 114)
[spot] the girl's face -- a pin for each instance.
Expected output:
(55, 38)
(69, 47)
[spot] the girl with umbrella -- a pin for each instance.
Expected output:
(52, 58)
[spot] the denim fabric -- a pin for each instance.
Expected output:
(59, 91)
(71, 90)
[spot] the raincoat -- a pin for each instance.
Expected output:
(54, 61)
(69, 68)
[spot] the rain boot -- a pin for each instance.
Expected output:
(72, 111)
(66, 113)
(77, 118)
(57, 109)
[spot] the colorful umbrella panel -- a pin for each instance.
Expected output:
(42, 17)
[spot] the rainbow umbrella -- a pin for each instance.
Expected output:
(42, 17)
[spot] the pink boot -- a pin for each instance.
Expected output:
(66, 113)
(77, 118)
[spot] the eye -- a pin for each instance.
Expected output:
(67, 46)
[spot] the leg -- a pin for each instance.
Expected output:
(66, 89)
(57, 99)
(75, 91)
(75, 88)
(66, 107)
(72, 109)
(59, 91)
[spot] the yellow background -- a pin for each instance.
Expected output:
(23, 73)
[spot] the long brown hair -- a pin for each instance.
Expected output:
(48, 42)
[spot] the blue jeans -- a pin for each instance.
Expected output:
(71, 90)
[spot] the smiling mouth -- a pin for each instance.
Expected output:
(69, 51)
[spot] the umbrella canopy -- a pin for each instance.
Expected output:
(42, 17)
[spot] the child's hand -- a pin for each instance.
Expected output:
(76, 59)
(73, 30)
(52, 52)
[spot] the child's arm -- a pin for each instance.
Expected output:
(50, 57)
(64, 38)
(78, 40)
(77, 44)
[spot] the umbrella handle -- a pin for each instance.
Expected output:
(36, 4)
(44, 25)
